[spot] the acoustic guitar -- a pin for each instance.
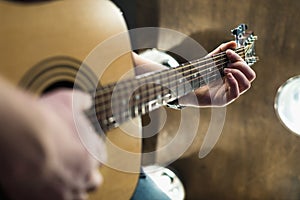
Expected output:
(44, 46)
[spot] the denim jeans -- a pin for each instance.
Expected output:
(147, 190)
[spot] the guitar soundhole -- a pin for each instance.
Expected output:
(59, 72)
(59, 85)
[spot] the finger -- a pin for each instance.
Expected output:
(82, 196)
(94, 180)
(233, 88)
(245, 69)
(81, 100)
(223, 47)
(238, 63)
(232, 56)
(76, 195)
(85, 129)
(85, 180)
(92, 141)
(242, 81)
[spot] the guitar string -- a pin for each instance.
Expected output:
(182, 67)
(108, 92)
(122, 115)
(106, 112)
(175, 85)
(108, 108)
(120, 118)
(107, 89)
(212, 72)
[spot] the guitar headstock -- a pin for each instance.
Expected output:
(246, 39)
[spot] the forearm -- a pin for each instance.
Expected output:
(143, 65)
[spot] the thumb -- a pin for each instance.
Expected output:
(223, 47)
(95, 179)
(81, 100)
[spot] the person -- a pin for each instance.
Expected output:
(41, 155)
(237, 80)
(39, 144)
(40, 152)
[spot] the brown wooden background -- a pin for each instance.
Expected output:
(256, 157)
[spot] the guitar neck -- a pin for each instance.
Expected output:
(118, 102)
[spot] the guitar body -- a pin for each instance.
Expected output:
(42, 48)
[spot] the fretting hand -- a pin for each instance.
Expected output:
(237, 80)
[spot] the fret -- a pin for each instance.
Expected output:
(125, 114)
(177, 77)
(165, 90)
(170, 80)
(148, 92)
(221, 63)
(102, 112)
(184, 86)
(199, 77)
(197, 74)
(193, 74)
(183, 79)
(139, 97)
(133, 98)
(153, 94)
(161, 86)
(208, 70)
(118, 102)
(145, 104)
(184, 83)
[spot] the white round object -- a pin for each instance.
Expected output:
(287, 104)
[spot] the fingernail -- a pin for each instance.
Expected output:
(229, 52)
(95, 179)
(82, 100)
(229, 75)
(226, 70)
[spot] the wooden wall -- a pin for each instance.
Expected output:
(256, 157)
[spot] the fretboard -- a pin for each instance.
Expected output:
(118, 102)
